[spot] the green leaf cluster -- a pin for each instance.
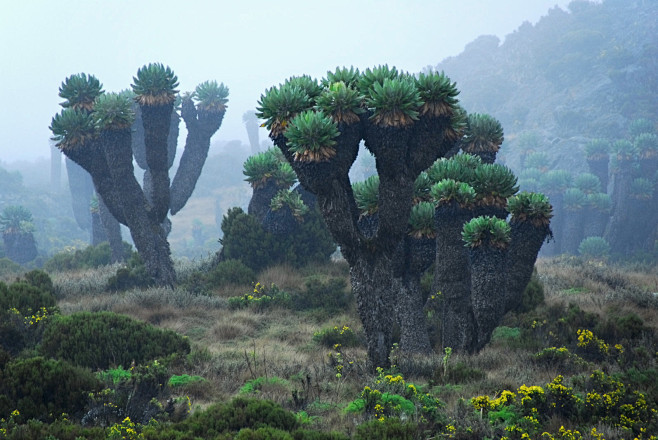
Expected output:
(292, 200)
(574, 199)
(80, 91)
(486, 230)
(594, 247)
(448, 190)
(15, 219)
(421, 220)
(483, 133)
(311, 136)
(587, 183)
(597, 149)
(113, 111)
(155, 84)
(533, 207)
(212, 97)
(439, 95)
(72, 128)
(494, 183)
(395, 102)
(270, 164)
(366, 195)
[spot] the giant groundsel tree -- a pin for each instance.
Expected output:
(407, 123)
(95, 130)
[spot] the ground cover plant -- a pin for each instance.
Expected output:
(579, 364)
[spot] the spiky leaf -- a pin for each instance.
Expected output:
(211, 97)
(538, 160)
(530, 207)
(72, 128)
(494, 183)
(438, 94)
(279, 105)
(555, 181)
(311, 136)
(394, 103)
(574, 199)
(342, 103)
(485, 230)
(80, 91)
(483, 133)
(421, 220)
(641, 189)
(448, 190)
(113, 111)
(587, 183)
(600, 201)
(155, 84)
(597, 149)
(376, 75)
(15, 219)
(594, 247)
(624, 149)
(366, 195)
(422, 186)
(342, 74)
(646, 144)
(641, 125)
(292, 200)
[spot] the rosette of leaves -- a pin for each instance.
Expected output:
(72, 128)
(574, 199)
(94, 208)
(80, 91)
(594, 247)
(155, 84)
(342, 74)
(639, 126)
(538, 160)
(376, 75)
(311, 137)
(421, 220)
(597, 149)
(530, 207)
(493, 184)
(113, 111)
(458, 168)
(587, 183)
(341, 102)
(624, 149)
(422, 186)
(555, 181)
(211, 97)
(438, 94)
(270, 164)
(366, 195)
(458, 124)
(279, 105)
(646, 144)
(292, 200)
(641, 189)
(15, 219)
(486, 230)
(309, 85)
(483, 133)
(448, 190)
(529, 184)
(600, 201)
(395, 103)
(530, 173)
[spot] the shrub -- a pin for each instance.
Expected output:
(8, 267)
(332, 336)
(594, 247)
(129, 277)
(533, 294)
(87, 258)
(390, 428)
(25, 298)
(261, 298)
(329, 294)
(230, 272)
(44, 388)
(101, 340)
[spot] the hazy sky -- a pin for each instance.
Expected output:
(249, 45)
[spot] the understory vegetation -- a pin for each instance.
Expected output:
(280, 354)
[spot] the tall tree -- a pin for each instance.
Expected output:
(96, 133)
(17, 234)
(250, 121)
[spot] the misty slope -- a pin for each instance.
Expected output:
(575, 75)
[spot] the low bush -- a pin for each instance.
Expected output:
(343, 336)
(105, 339)
(230, 272)
(132, 276)
(329, 294)
(87, 258)
(45, 389)
(387, 428)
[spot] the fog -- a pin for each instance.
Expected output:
(248, 45)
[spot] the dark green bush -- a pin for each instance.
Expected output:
(24, 297)
(390, 428)
(230, 272)
(8, 267)
(44, 389)
(330, 294)
(343, 336)
(263, 434)
(303, 434)
(132, 276)
(40, 280)
(238, 414)
(87, 258)
(102, 340)
(245, 239)
(61, 429)
(533, 294)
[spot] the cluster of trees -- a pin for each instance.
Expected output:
(104, 133)
(407, 123)
(616, 201)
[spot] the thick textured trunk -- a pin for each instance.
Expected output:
(145, 229)
(259, 204)
(20, 247)
(618, 234)
(488, 277)
(599, 167)
(157, 122)
(200, 128)
(112, 230)
(372, 285)
(642, 223)
(452, 278)
(573, 230)
(554, 247)
(595, 222)
(98, 234)
(252, 134)
(82, 189)
(414, 337)
(525, 243)
(280, 222)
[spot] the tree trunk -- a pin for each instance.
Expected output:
(144, 225)
(554, 247)
(20, 247)
(618, 234)
(259, 205)
(414, 337)
(525, 243)
(55, 169)
(112, 230)
(488, 276)
(200, 128)
(573, 230)
(452, 278)
(157, 122)
(98, 234)
(82, 189)
(599, 167)
(374, 292)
